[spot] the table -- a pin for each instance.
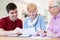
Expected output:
(25, 38)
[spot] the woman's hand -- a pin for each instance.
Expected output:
(42, 33)
(17, 31)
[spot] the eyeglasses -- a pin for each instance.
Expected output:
(53, 7)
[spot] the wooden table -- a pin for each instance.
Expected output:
(24, 38)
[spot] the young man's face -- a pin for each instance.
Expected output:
(13, 14)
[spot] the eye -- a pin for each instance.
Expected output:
(12, 12)
(15, 11)
(53, 7)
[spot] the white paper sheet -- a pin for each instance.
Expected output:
(27, 31)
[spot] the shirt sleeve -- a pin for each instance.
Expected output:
(50, 26)
(58, 34)
(2, 23)
(43, 27)
(25, 24)
(20, 24)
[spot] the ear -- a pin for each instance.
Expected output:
(58, 9)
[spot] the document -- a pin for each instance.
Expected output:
(25, 32)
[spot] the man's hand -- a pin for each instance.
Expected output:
(36, 34)
(50, 34)
(17, 31)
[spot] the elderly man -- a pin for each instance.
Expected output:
(54, 27)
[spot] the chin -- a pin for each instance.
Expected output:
(14, 18)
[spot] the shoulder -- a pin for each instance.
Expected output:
(19, 20)
(27, 18)
(3, 19)
(40, 17)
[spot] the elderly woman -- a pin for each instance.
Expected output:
(34, 20)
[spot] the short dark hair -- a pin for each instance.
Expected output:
(10, 6)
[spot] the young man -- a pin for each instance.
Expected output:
(11, 22)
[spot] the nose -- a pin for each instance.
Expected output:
(15, 14)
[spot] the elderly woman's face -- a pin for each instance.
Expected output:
(53, 9)
(32, 13)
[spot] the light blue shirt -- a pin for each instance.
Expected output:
(39, 24)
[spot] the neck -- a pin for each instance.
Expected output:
(56, 14)
(12, 19)
(34, 17)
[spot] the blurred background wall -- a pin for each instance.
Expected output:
(22, 8)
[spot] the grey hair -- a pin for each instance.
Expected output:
(57, 2)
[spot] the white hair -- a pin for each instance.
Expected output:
(56, 3)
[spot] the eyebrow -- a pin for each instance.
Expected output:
(52, 6)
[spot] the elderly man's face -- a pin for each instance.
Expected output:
(53, 9)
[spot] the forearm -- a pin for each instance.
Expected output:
(57, 35)
(6, 32)
(16, 31)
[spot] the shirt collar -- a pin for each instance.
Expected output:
(35, 17)
(11, 20)
(58, 15)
